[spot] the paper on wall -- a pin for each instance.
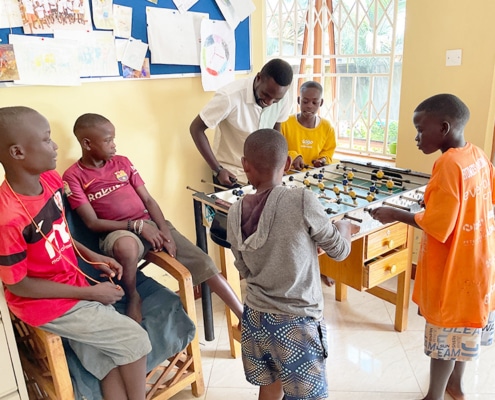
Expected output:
(174, 38)
(10, 14)
(46, 61)
(235, 11)
(184, 5)
(96, 52)
(134, 53)
(122, 17)
(217, 54)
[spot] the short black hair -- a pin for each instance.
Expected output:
(10, 118)
(279, 70)
(89, 120)
(445, 106)
(266, 149)
(311, 85)
(12, 114)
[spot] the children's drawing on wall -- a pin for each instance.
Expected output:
(134, 53)
(122, 18)
(96, 52)
(144, 72)
(103, 14)
(8, 65)
(184, 5)
(45, 61)
(44, 16)
(235, 11)
(174, 38)
(217, 54)
(10, 14)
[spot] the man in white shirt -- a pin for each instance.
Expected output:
(238, 109)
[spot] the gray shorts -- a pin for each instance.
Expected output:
(102, 338)
(191, 256)
(108, 241)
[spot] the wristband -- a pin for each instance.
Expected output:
(216, 171)
(128, 224)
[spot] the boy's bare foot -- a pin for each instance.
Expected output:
(133, 309)
(327, 280)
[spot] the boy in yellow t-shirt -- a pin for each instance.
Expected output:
(311, 139)
(455, 279)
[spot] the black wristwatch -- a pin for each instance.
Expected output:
(216, 171)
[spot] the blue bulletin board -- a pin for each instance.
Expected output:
(139, 31)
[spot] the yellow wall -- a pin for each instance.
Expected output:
(432, 27)
(152, 120)
(152, 117)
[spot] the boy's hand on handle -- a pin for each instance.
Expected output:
(385, 215)
(226, 178)
(319, 162)
(106, 293)
(346, 227)
(298, 163)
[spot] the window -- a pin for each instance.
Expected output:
(354, 49)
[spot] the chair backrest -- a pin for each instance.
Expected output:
(84, 235)
(78, 228)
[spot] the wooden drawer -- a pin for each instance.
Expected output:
(384, 268)
(384, 240)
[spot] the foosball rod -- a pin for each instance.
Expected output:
(386, 203)
(377, 182)
(351, 184)
(291, 178)
(414, 200)
(385, 176)
(215, 185)
(224, 203)
(347, 216)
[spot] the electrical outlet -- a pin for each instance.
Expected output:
(453, 58)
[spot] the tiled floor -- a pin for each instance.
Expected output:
(368, 359)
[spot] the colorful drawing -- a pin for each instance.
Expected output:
(45, 16)
(215, 55)
(8, 65)
(144, 72)
(103, 14)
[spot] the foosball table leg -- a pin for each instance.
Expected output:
(402, 302)
(404, 288)
(340, 291)
(231, 274)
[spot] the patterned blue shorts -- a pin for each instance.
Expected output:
(287, 348)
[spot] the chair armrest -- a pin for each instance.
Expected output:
(43, 360)
(169, 264)
(181, 274)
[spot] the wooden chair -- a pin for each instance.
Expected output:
(44, 359)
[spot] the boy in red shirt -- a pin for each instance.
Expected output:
(108, 193)
(38, 266)
(455, 280)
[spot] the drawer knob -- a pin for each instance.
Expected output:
(392, 269)
(390, 244)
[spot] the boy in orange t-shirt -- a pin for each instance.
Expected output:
(455, 279)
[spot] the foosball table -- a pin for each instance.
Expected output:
(348, 190)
